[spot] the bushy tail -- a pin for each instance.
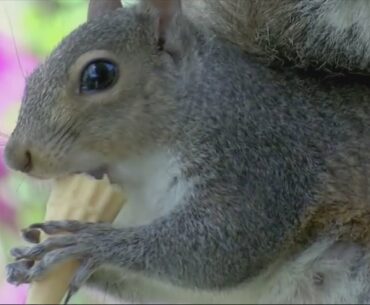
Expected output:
(327, 35)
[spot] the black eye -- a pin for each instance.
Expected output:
(98, 75)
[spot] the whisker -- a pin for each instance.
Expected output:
(20, 185)
(14, 43)
(66, 134)
(4, 135)
(69, 138)
(61, 132)
(42, 187)
(72, 139)
(55, 134)
(62, 139)
(3, 140)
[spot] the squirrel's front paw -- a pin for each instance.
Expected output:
(86, 242)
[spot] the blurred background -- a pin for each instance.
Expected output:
(29, 30)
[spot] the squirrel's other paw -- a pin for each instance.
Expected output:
(86, 242)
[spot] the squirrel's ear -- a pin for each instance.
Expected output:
(100, 7)
(165, 12)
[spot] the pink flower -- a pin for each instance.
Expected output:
(7, 215)
(13, 69)
(10, 294)
(7, 212)
(12, 79)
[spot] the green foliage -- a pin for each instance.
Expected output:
(44, 25)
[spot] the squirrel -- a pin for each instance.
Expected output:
(245, 184)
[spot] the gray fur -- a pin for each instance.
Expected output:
(262, 149)
(322, 34)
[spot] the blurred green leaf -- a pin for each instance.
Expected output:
(42, 39)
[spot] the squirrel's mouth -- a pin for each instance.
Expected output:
(98, 173)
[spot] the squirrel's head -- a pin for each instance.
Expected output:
(101, 93)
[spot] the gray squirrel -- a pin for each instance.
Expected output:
(245, 184)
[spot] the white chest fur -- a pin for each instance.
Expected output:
(153, 185)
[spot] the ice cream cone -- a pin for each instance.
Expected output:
(81, 198)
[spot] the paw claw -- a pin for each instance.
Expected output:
(18, 273)
(38, 225)
(31, 235)
(56, 227)
(54, 257)
(85, 270)
(31, 253)
(83, 243)
(17, 252)
(68, 297)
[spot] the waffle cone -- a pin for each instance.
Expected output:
(82, 198)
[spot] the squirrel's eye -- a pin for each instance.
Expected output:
(98, 75)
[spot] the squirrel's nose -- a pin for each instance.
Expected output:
(18, 157)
